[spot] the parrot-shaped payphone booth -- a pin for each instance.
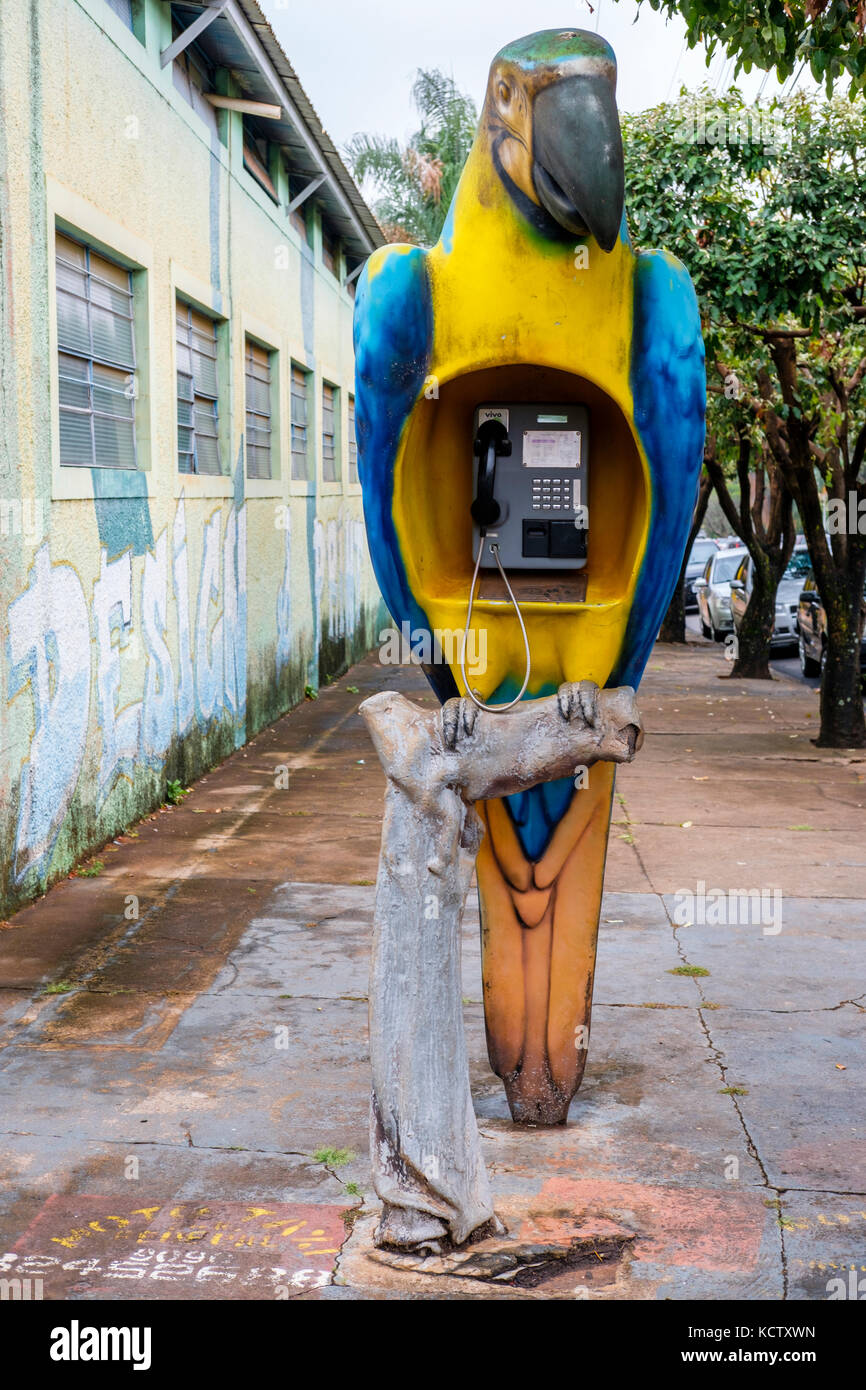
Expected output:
(530, 398)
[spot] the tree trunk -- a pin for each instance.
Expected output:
(769, 547)
(753, 639)
(842, 721)
(425, 1151)
(673, 628)
(838, 563)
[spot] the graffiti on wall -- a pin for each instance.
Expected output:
(180, 647)
(340, 558)
(55, 639)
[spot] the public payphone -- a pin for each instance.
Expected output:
(530, 486)
(530, 505)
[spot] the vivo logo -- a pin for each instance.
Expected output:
(484, 415)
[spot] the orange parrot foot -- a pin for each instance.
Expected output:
(539, 925)
(534, 1097)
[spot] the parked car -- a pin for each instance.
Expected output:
(812, 620)
(714, 592)
(701, 551)
(787, 596)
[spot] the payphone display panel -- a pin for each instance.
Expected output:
(541, 487)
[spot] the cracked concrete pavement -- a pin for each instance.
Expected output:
(184, 1071)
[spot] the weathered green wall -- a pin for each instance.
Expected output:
(152, 622)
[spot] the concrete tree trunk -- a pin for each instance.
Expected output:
(426, 1155)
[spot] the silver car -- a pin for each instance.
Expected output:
(714, 592)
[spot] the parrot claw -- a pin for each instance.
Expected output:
(581, 701)
(468, 715)
(458, 716)
(588, 696)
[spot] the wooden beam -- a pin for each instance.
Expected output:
(249, 108)
(192, 31)
(305, 192)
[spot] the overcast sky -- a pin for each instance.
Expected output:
(357, 58)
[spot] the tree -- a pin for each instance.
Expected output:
(769, 541)
(416, 183)
(673, 629)
(765, 207)
(779, 35)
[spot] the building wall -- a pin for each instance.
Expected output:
(152, 621)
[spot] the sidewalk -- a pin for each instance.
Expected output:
(184, 1091)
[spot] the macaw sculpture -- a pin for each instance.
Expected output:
(534, 292)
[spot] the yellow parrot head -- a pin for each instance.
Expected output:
(551, 129)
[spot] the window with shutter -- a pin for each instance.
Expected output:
(96, 358)
(198, 448)
(353, 446)
(330, 463)
(193, 76)
(257, 371)
(256, 157)
(329, 250)
(298, 217)
(300, 443)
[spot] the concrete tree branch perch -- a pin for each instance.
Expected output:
(426, 1153)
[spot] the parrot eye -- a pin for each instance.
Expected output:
(503, 92)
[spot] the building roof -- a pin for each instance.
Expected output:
(240, 39)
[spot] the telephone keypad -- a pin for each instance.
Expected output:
(551, 494)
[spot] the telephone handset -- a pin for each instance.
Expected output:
(530, 504)
(531, 485)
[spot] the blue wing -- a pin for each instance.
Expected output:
(669, 388)
(393, 336)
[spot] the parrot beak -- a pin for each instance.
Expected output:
(577, 156)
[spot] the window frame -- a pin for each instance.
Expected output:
(331, 246)
(73, 216)
(217, 400)
(204, 298)
(301, 213)
(259, 169)
(353, 481)
(326, 383)
(193, 56)
(92, 358)
(306, 483)
(271, 485)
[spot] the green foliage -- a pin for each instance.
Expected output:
(175, 792)
(415, 183)
(333, 1158)
(764, 205)
(780, 35)
(90, 870)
